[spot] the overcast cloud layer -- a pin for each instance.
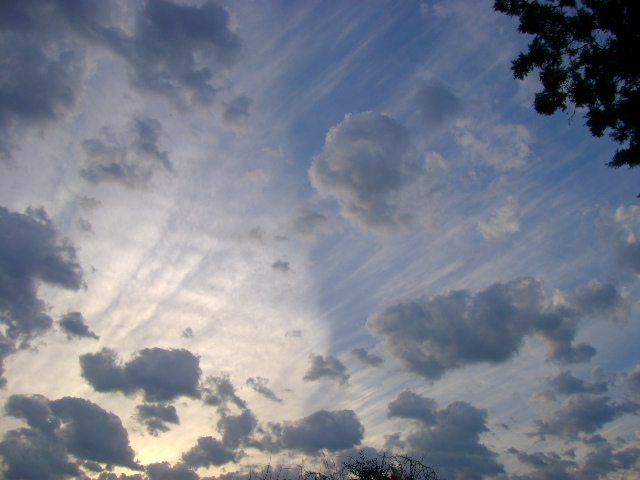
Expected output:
(237, 233)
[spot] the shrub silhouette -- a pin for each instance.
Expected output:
(381, 467)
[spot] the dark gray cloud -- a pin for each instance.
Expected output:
(30, 455)
(220, 392)
(130, 159)
(209, 451)
(122, 476)
(259, 385)
(450, 435)
(161, 374)
(165, 374)
(177, 51)
(564, 383)
(604, 461)
(433, 335)
(174, 51)
(35, 410)
(68, 426)
(31, 251)
(547, 466)
(582, 414)
(73, 324)
(166, 471)
(105, 373)
(91, 433)
(281, 266)
(603, 299)
(367, 358)
(363, 166)
(7, 348)
(436, 103)
(43, 66)
(308, 222)
(633, 380)
(155, 416)
(413, 406)
(235, 113)
(236, 429)
(322, 430)
(329, 367)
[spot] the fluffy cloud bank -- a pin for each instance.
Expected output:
(364, 166)
(160, 374)
(451, 435)
(31, 251)
(173, 51)
(433, 335)
(60, 429)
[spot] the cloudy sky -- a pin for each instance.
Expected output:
(241, 233)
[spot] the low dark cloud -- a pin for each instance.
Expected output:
(367, 358)
(208, 452)
(166, 471)
(259, 385)
(91, 433)
(220, 392)
(236, 429)
(329, 367)
(73, 325)
(59, 428)
(603, 299)
(129, 159)
(155, 416)
(160, 374)
(436, 103)
(363, 166)
(122, 476)
(603, 461)
(413, 406)
(31, 251)
(633, 380)
(176, 52)
(43, 67)
(450, 435)
(546, 465)
(29, 455)
(582, 414)
(308, 222)
(281, 266)
(433, 335)
(331, 431)
(564, 383)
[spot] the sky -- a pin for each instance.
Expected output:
(246, 233)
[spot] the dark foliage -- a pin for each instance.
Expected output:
(379, 467)
(586, 53)
(394, 467)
